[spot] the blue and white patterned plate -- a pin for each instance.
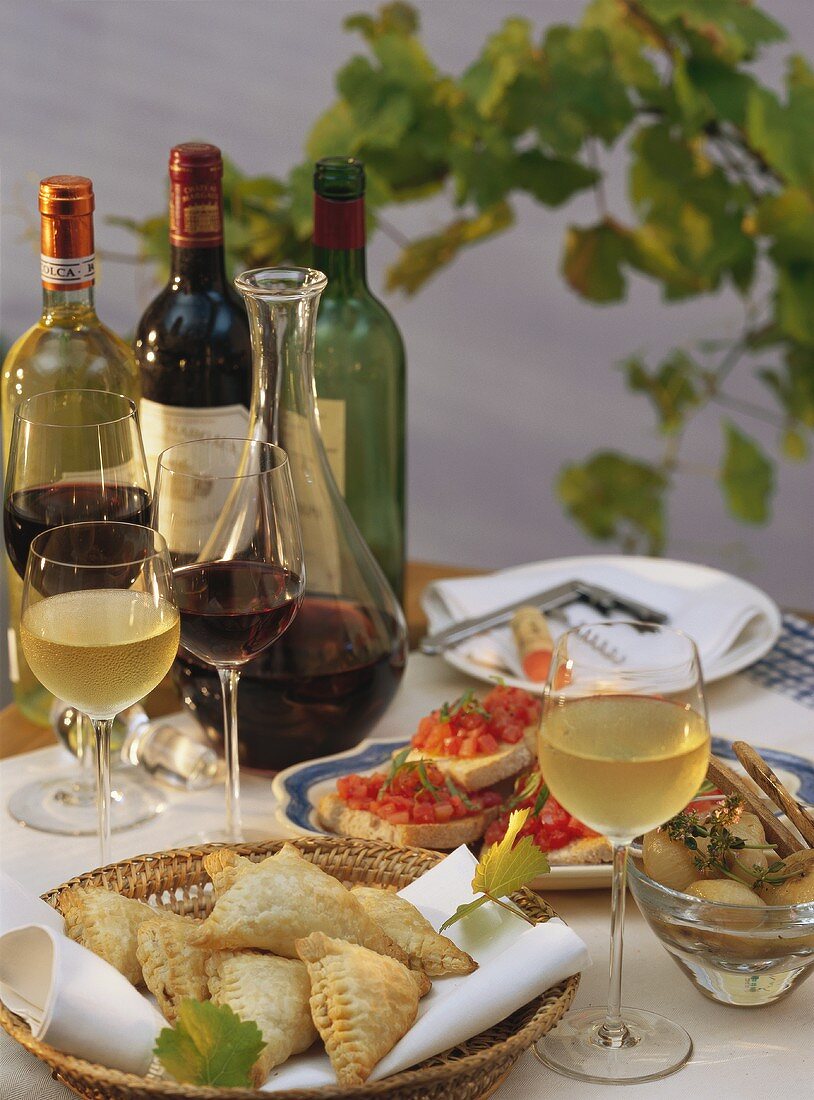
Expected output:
(299, 788)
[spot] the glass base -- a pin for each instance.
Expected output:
(652, 1048)
(67, 807)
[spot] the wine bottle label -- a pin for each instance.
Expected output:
(317, 512)
(163, 426)
(67, 274)
(332, 428)
(196, 215)
(13, 664)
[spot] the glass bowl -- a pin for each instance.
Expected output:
(734, 954)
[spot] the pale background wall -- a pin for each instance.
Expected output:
(509, 373)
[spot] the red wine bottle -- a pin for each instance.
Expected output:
(192, 343)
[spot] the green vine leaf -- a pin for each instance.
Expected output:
(747, 477)
(672, 387)
(612, 496)
(422, 259)
(592, 264)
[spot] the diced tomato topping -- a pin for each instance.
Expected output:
(487, 743)
(470, 728)
(552, 827)
(421, 797)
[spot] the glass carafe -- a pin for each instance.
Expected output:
(321, 688)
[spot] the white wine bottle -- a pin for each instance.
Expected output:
(67, 348)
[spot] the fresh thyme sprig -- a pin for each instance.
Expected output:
(400, 765)
(721, 842)
(464, 704)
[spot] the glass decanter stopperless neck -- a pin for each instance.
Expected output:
(323, 685)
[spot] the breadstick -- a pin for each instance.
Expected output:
(765, 778)
(729, 782)
(534, 642)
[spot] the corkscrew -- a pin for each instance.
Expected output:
(609, 652)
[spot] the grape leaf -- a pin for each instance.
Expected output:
(593, 259)
(504, 868)
(747, 477)
(672, 387)
(507, 866)
(612, 496)
(209, 1045)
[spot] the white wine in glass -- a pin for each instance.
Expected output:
(103, 649)
(624, 764)
(623, 745)
(99, 626)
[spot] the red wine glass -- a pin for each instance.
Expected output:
(75, 455)
(226, 508)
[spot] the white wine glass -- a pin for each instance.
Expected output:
(227, 510)
(623, 745)
(99, 626)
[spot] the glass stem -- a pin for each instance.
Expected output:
(229, 678)
(85, 748)
(614, 1032)
(102, 728)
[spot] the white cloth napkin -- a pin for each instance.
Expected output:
(717, 610)
(516, 961)
(70, 998)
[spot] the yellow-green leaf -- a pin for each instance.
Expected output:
(209, 1045)
(747, 477)
(507, 866)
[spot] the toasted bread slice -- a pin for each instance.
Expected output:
(337, 817)
(588, 849)
(473, 773)
(593, 850)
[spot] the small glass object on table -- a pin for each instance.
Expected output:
(99, 626)
(226, 508)
(623, 746)
(75, 455)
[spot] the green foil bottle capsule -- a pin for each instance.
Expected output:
(360, 370)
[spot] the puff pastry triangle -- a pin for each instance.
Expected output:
(224, 866)
(107, 923)
(272, 992)
(172, 965)
(274, 903)
(426, 949)
(362, 1003)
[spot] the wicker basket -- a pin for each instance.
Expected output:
(176, 879)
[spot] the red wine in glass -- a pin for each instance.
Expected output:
(231, 611)
(29, 512)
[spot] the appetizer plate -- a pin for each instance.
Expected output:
(299, 788)
(755, 642)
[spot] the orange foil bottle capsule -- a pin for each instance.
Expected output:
(67, 259)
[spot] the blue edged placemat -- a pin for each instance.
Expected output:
(789, 666)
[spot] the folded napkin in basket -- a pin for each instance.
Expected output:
(716, 610)
(70, 998)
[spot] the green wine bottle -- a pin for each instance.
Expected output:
(360, 370)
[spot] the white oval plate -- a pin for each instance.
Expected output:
(756, 643)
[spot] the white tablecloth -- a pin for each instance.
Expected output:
(750, 1053)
